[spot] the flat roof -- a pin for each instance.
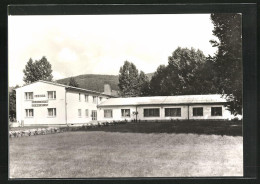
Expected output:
(164, 100)
(69, 87)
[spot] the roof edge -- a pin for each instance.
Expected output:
(67, 87)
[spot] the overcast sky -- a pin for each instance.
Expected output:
(99, 44)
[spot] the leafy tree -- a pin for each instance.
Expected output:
(12, 103)
(144, 84)
(131, 82)
(158, 83)
(38, 70)
(228, 59)
(128, 80)
(186, 73)
(183, 68)
(206, 80)
(73, 82)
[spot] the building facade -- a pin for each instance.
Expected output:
(49, 103)
(188, 107)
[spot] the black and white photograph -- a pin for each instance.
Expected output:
(125, 95)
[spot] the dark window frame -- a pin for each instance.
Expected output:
(54, 111)
(151, 112)
(27, 113)
(27, 96)
(105, 113)
(170, 112)
(196, 111)
(53, 94)
(214, 111)
(123, 113)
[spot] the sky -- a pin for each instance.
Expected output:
(99, 44)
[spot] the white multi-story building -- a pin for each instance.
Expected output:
(49, 103)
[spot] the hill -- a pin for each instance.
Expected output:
(95, 81)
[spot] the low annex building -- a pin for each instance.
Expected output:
(164, 108)
(50, 103)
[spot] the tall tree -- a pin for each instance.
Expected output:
(186, 73)
(228, 59)
(12, 103)
(183, 68)
(128, 80)
(73, 82)
(144, 84)
(38, 70)
(159, 83)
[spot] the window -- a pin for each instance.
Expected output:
(94, 99)
(216, 111)
(100, 99)
(28, 95)
(86, 98)
(51, 112)
(172, 112)
(51, 94)
(125, 112)
(79, 96)
(198, 111)
(152, 112)
(108, 113)
(79, 112)
(29, 113)
(86, 112)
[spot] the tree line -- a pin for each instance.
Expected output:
(189, 71)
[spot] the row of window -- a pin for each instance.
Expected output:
(168, 112)
(153, 112)
(51, 95)
(80, 114)
(87, 98)
(51, 112)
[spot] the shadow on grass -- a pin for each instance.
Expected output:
(232, 128)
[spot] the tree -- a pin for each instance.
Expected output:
(181, 75)
(206, 81)
(186, 73)
(228, 59)
(12, 103)
(144, 84)
(158, 83)
(128, 80)
(73, 82)
(38, 70)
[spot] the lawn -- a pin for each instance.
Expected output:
(83, 154)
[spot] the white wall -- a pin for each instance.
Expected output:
(184, 112)
(64, 114)
(207, 112)
(40, 113)
(73, 104)
(116, 114)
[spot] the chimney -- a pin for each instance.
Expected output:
(107, 89)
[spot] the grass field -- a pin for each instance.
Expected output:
(83, 154)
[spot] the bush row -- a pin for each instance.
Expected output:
(45, 131)
(31, 132)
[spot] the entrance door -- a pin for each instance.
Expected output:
(94, 114)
